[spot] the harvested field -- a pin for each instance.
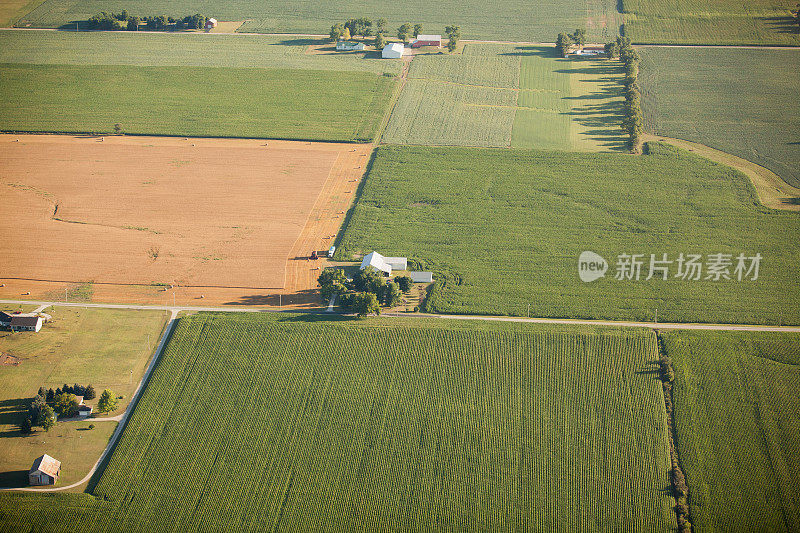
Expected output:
(133, 215)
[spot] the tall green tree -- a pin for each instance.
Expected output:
(453, 32)
(89, 393)
(380, 41)
(404, 32)
(47, 423)
(380, 25)
(365, 303)
(417, 30)
(392, 295)
(579, 37)
(336, 32)
(66, 405)
(563, 43)
(107, 402)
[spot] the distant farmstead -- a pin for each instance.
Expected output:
(45, 471)
(393, 51)
(427, 40)
(349, 46)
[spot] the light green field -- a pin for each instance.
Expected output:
(507, 95)
(728, 22)
(102, 347)
(503, 229)
(537, 21)
(179, 50)
(193, 101)
(737, 405)
(743, 102)
(12, 10)
(309, 424)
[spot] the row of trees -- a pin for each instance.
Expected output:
(633, 121)
(126, 21)
(365, 294)
(564, 41)
(46, 405)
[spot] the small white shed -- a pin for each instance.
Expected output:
(421, 277)
(393, 51)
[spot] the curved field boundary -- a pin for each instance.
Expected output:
(772, 191)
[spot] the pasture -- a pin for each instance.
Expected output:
(305, 423)
(503, 230)
(108, 348)
(718, 22)
(180, 50)
(509, 19)
(508, 95)
(155, 211)
(738, 427)
(193, 101)
(743, 102)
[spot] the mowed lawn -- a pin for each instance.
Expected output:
(738, 427)
(194, 101)
(503, 230)
(508, 95)
(106, 348)
(302, 423)
(721, 22)
(539, 20)
(181, 50)
(743, 102)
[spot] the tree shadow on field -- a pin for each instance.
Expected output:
(12, 413)
(298, 42)
(539, 51)
(784, 24)
(652, 368)
(14, 478)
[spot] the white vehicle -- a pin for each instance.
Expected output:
(331, 251)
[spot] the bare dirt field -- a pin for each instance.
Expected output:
(119, 218)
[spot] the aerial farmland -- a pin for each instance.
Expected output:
(534, 268)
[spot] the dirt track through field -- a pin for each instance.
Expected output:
(215, 218)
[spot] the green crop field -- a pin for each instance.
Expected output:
(179, 50)
(728, 22)
(193, 101)
(503, 229)
(737, 414)
(507, 95)
(540, 20)
(743, 102)
(300, 423)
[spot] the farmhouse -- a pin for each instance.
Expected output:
(45, 471)
(25, 322)
(211, 23)
(349, 46)
(427, 40)
(393, 51)
(384, 264)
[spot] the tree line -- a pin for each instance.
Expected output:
(126, 21)
(367, 291)
(62, 401)
(633, 121)
(364, 27)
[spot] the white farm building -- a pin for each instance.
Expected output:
(393, 51)
(349, 46)
(384, 264)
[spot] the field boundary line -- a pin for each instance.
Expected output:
(772, 191)
(491, 318)
(168, 329)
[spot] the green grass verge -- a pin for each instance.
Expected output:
(540, 20)
(179, 50)
(719, 22)
(107, 348)
(743, 102)
(303, 423)
(504, 229)
(501, 95)
(193, 101)
(737, 400)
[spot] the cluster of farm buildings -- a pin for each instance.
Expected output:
(391, 50)
(21, 321)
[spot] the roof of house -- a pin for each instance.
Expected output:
(376, 261)
(397, 47)
(25, 320)
(429, 37)
(84, 407)
(46, 464)
(213, 21)
(5, 317)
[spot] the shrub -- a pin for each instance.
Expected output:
(404, 282)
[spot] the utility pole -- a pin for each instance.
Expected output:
(529, 310)
(280, 300)
(65, 294)
(656, 315)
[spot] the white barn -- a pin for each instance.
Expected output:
(393, 51)
(384, 264)
(349, 46)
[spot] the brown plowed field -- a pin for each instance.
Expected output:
(222, 220)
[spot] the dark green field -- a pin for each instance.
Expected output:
(194, 101)
(503, 230)
(743, 102)
(737, 405)
(283, 423)
(540, 20)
